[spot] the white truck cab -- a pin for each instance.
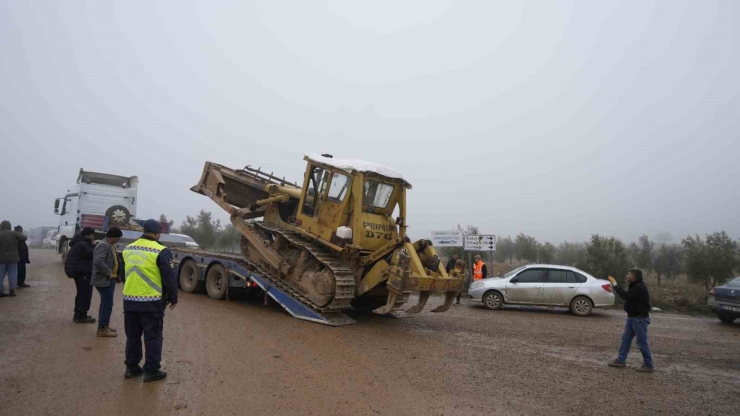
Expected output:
(97, 200)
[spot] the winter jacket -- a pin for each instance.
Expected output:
(23, 253)
(637, 299)
(103, 264)
(450, 265)
(80, 257)
(9, 243)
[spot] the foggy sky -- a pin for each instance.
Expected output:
(554, 119)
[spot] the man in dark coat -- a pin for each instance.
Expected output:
(637, 305)
(23, 259)
(79, 266)
(451, 265)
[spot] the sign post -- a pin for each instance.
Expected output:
(453, 238)
(480, 243)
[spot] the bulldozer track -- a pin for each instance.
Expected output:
(343, 276)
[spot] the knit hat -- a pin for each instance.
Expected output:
(87, 231)
(114, 232)
(18, 228)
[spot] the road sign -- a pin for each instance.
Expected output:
(480, 243)
(452, 238)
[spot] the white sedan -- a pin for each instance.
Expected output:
(544, 285)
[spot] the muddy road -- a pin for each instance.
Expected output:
(240, 357)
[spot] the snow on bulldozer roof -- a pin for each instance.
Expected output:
(348, 165)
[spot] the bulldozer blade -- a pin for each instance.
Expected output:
(383, 310)
(423, 297)
(449, 298)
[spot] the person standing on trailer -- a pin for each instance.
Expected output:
(150, 285)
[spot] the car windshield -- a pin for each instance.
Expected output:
(188, 239)
(513, 272)
(734, 282)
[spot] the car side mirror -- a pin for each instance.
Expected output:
(514, 280)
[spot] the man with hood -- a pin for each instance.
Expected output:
(9, 257)
(79, 266)
(637, 305)
(23, 259)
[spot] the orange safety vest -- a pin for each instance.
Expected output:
(478, 270)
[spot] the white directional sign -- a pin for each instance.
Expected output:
(452, 238)
(480, 243)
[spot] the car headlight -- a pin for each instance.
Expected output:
(476, 285)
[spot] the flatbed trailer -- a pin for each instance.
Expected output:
(218, 273)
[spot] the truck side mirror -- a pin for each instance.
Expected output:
(56, 206)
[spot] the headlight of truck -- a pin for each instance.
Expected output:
(476, 285)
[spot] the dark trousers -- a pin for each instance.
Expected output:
(21, 273)
(106, 304)
(84, 296)
(150, 325)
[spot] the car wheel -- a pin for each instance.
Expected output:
(581, 306)
(190, 277)
(493, 300)
(217, 282)
(728, 319)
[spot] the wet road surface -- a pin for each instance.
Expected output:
(239, 357)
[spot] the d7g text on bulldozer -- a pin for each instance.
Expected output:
(333, 242)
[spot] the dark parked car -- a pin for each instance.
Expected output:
(725, 301)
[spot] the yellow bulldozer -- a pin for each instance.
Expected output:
(334, 239)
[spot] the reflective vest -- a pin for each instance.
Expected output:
(478, 270)
(143, 279)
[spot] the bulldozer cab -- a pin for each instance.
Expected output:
(353, 194)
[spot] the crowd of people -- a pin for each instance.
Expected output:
(149, 286)
(144, 269)
(13, 258)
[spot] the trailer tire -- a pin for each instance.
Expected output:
(118, 216)
(190, 281)
(217, 282)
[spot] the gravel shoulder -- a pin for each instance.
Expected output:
(239, 357)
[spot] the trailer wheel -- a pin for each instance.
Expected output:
(190, 277)
(217, 282)
(118, 215)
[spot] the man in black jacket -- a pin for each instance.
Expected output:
(79, 266)
(23, 259)
(637, 305)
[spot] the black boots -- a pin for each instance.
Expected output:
(154, 375)
(133, 371)
(83, 318)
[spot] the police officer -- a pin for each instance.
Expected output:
(150, 286)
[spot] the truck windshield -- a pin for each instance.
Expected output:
(377, 194)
